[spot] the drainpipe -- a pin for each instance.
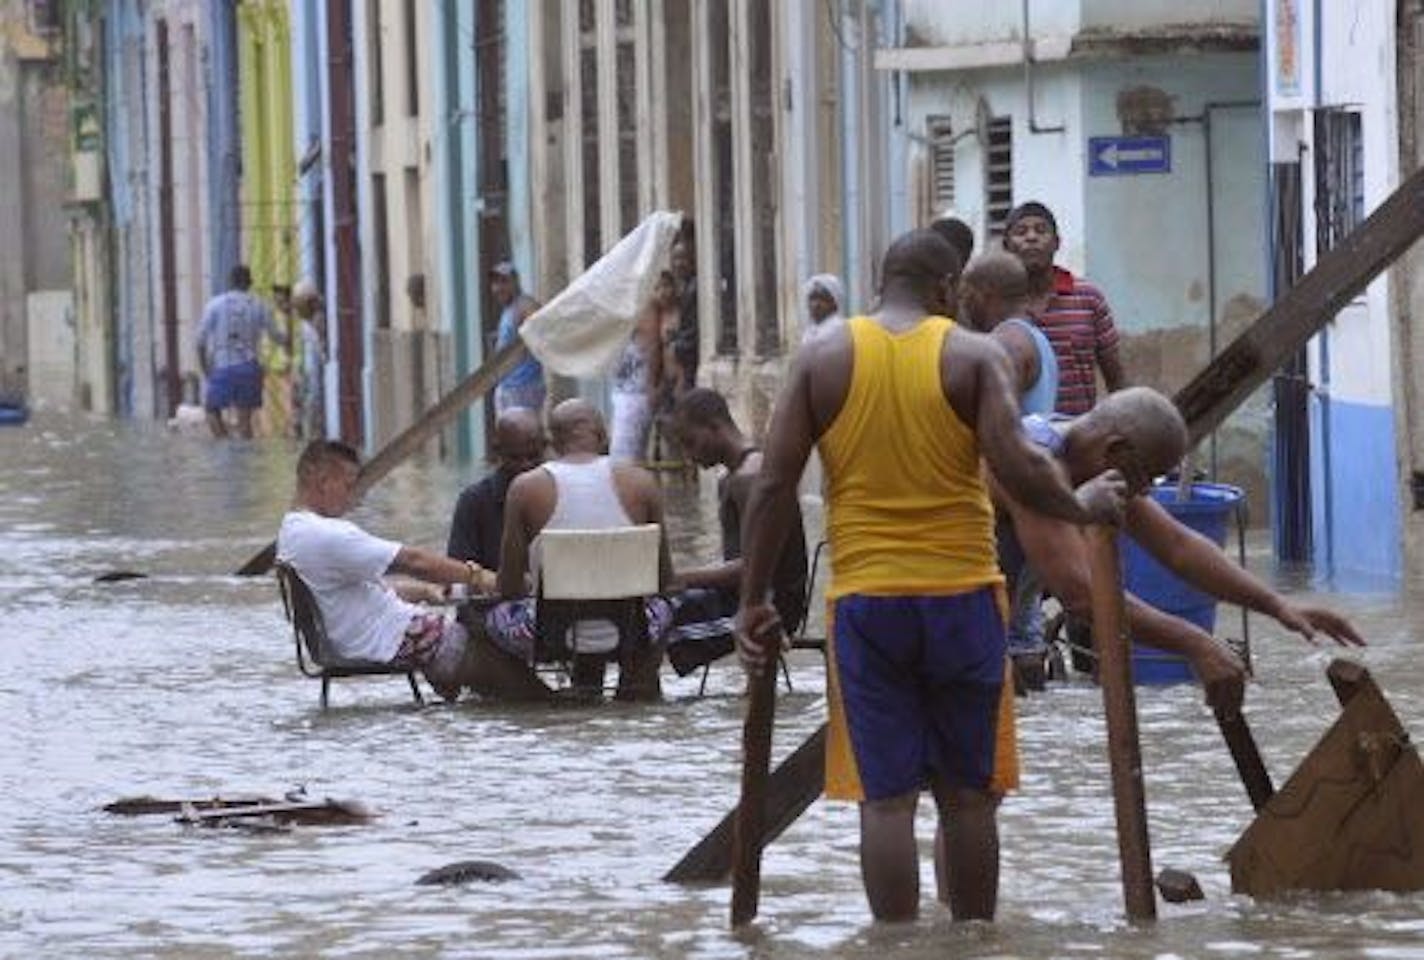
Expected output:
(1033, 126)
(852, 261)
(1327, 492)
(167, 247)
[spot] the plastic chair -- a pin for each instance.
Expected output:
(314, 657)
(595, 575)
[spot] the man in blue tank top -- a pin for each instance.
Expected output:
(993, 298)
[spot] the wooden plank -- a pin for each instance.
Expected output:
(1351, 817)
(1120, 706)
(304, 812)
(747, 833)
(147, 806)
(1347, 678)
(1260, 350)
(1247, 758)
(793, 786)
(413, 437)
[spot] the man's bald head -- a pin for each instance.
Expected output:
(921, 268)
(993, 288)
(519, 440)
(1136, 430)
(576, 426)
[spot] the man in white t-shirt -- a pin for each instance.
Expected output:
(366, 618)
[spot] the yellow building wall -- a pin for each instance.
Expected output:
(268, 188)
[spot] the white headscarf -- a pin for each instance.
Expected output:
(829, 284)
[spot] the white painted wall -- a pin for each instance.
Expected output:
(1356, 69)
(53, 350)
(937, 23)
(1047, 167)
(1128, 15)
(961, 22)
(1155, 268)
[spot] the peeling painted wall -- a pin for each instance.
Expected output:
(34, 233)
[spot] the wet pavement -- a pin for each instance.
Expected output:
(183, 684)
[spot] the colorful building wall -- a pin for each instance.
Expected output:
(1330, 82)
(270, 238)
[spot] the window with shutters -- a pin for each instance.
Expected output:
(998, 173)
(941, 146)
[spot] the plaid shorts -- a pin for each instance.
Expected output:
(434, 645)
(511, 625)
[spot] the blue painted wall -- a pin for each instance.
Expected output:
(224, 147)
(1358, 543)
(122, 26)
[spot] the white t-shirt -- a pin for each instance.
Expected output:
(343, 565)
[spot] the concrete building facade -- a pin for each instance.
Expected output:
(1343, 88)
(38, 347)
(1039, 100)
(407, 356)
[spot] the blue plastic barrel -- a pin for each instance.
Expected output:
(13, 414)
(1208, 510)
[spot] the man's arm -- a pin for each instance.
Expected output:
(1058, 552)
(1105, 336)
(726, 575)
(205, 331)
(1024, 470)
(430, 567)
(1201, 563)
(770, 507)
(514, 547)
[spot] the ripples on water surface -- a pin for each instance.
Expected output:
(183, 685)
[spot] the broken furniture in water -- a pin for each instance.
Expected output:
(258, 811)
(1351, 817)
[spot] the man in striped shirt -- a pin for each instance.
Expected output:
(1072, 312)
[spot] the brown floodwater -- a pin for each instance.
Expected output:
(183, 684)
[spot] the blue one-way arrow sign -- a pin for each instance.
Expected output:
(1118, 156)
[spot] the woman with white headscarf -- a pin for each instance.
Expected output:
(824, 299)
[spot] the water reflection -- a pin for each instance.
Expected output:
(183, 685)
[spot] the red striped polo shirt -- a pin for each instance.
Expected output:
(1079, 325)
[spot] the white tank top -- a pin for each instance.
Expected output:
(587, 498)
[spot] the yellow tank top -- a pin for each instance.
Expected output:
(907, 511)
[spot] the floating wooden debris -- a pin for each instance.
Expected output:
(118, 576)
(1351, 817)
(147, 806)
(221, 810)
(466, 871)
(305, 812)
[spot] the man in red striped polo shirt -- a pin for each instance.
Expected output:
(1072, 312)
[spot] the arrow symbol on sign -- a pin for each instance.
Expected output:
(1112, 155)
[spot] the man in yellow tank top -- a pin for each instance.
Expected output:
(901, 405)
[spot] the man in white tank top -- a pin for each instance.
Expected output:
(580, 489)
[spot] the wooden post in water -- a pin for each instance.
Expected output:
(751, 809)
(1120, 707)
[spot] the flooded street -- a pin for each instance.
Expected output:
(184, 684)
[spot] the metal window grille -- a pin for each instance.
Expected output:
(939, 133)
(998, 173)
(1340, 176)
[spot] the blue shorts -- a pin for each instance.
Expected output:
(917, 689)
(239, 385)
